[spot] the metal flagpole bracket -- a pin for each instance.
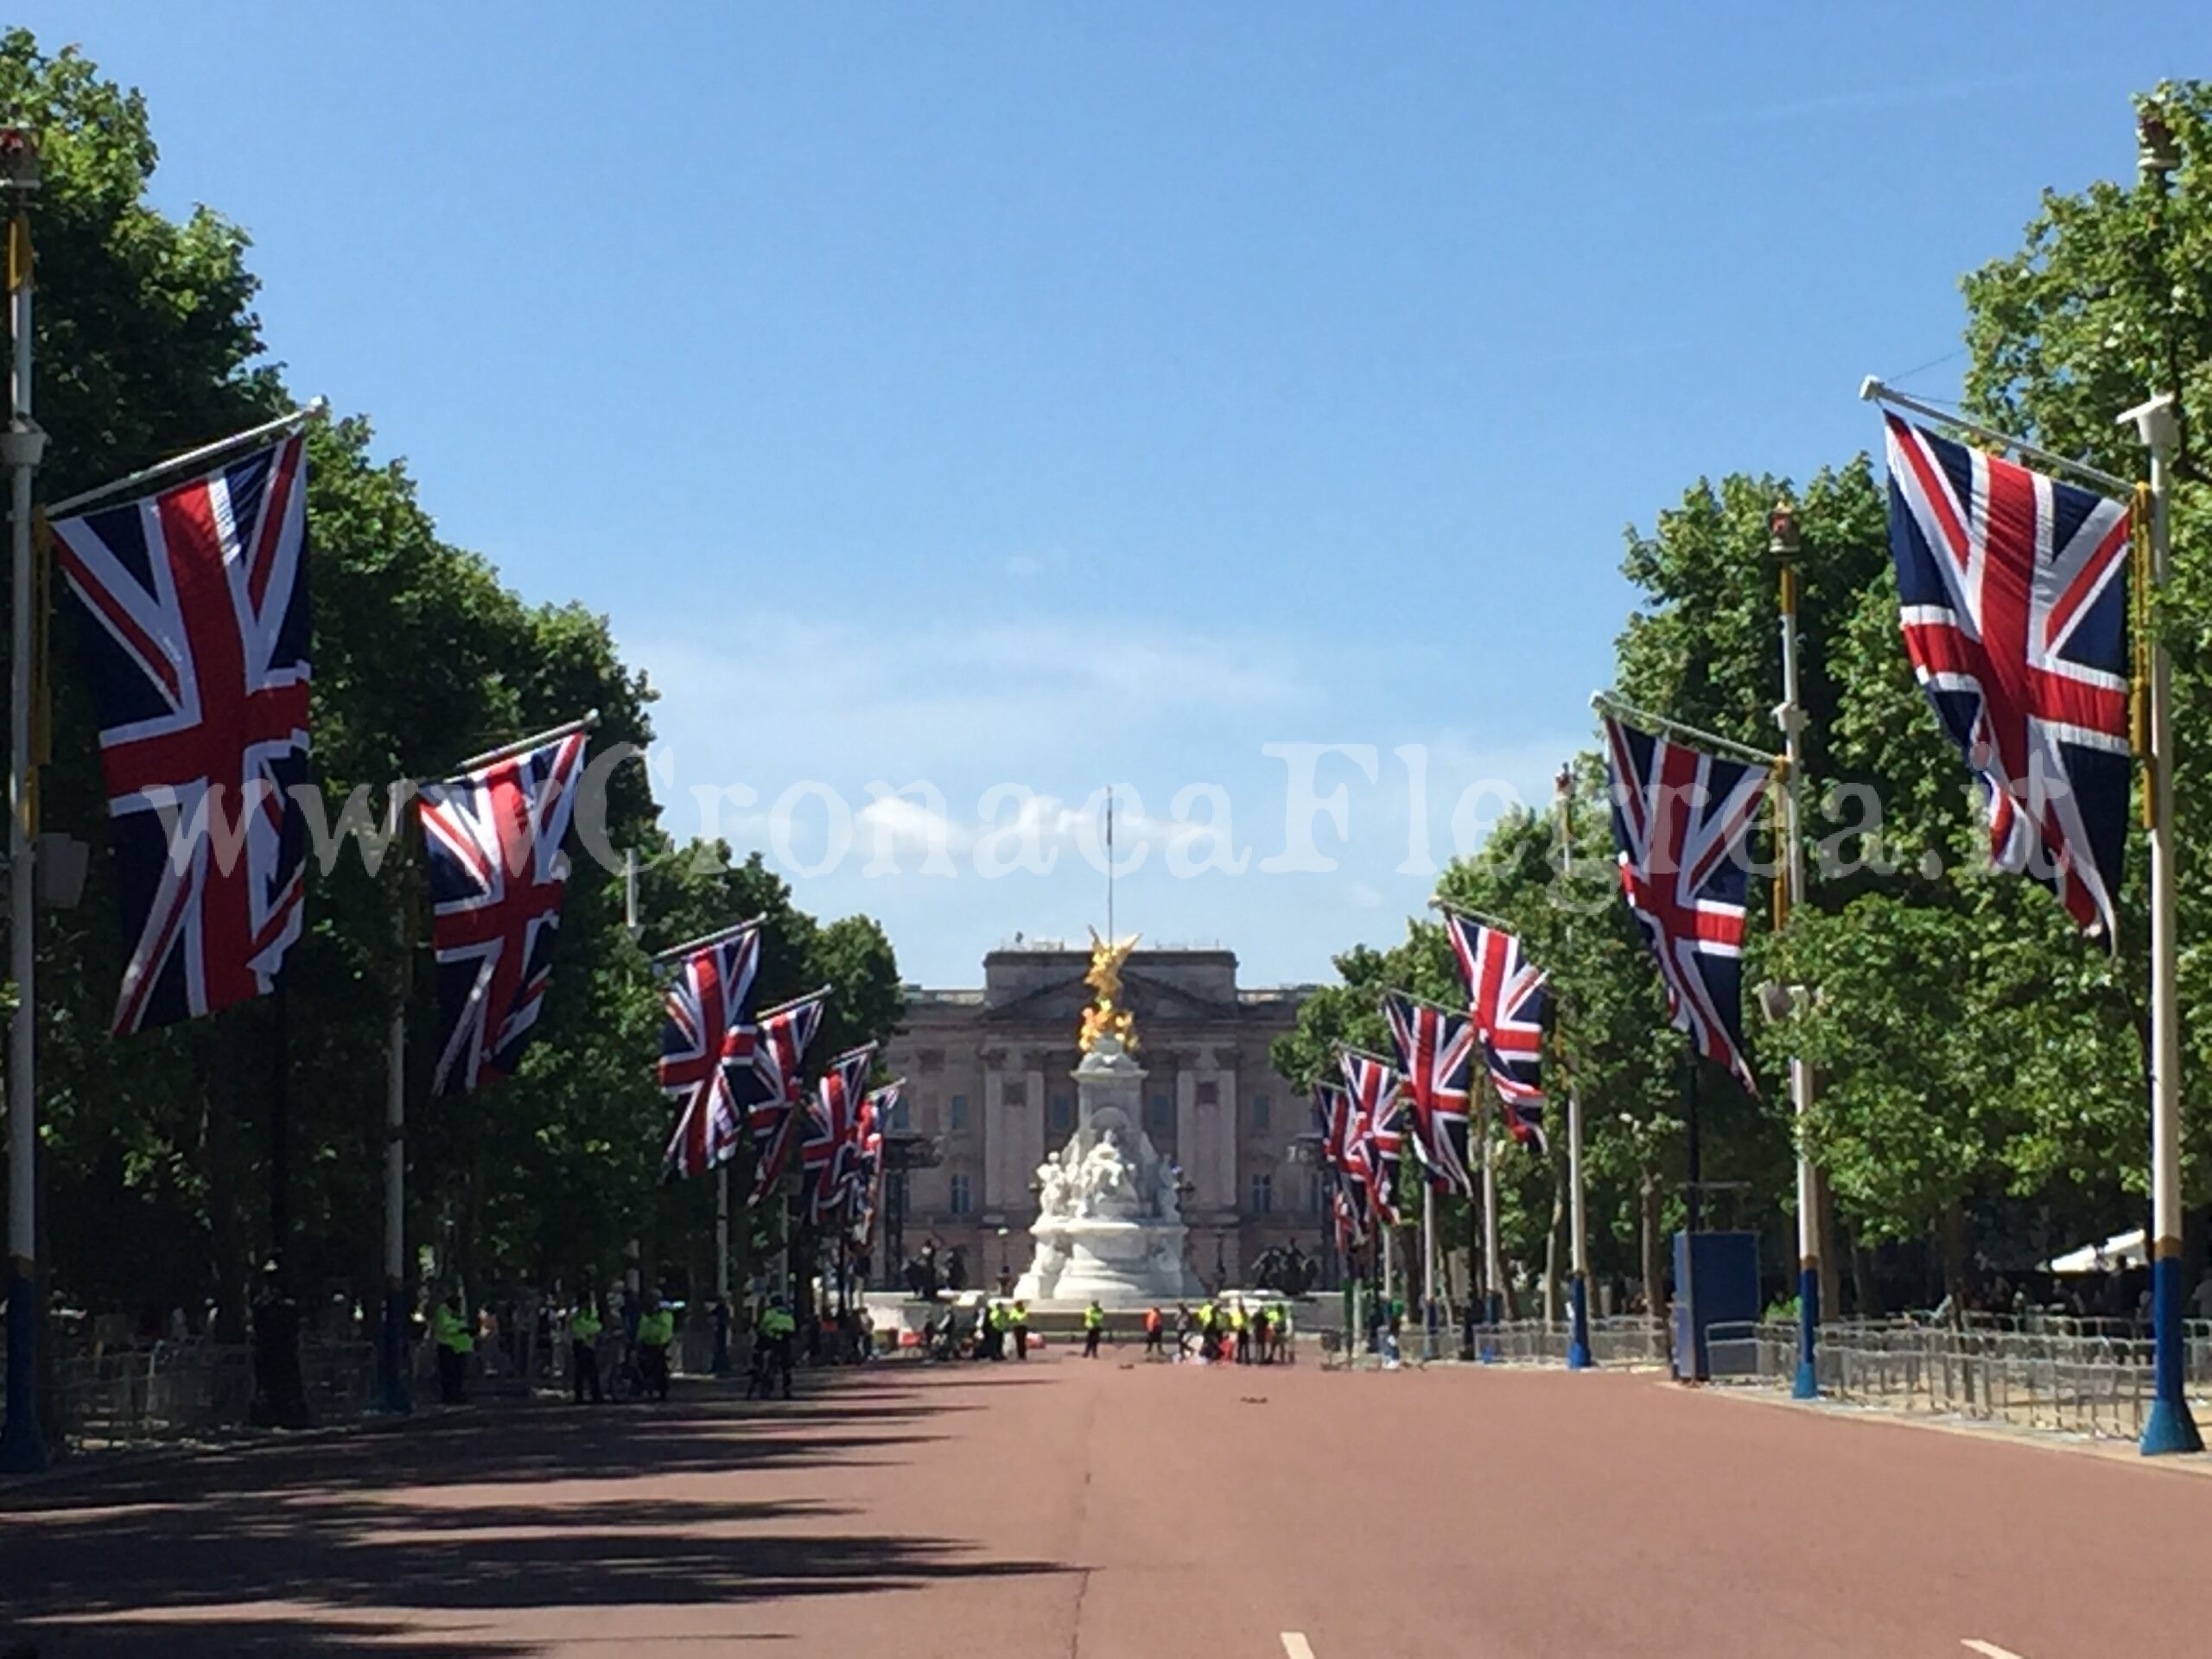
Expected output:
(1606, 704)
(2155, 423)
(1872, 390)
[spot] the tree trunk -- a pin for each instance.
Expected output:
(1654, 1277)
(1862, 1284)
(1825, 1230)
(1555, 1248)
(1955, 1243)
(218, 1170)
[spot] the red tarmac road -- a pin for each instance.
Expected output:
(1107, 1509)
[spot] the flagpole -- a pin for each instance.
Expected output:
(1606, 704)
(1493, 1281)
(21, 1450)
(1427, 1269)
(1578, 1279)
(1783, 542)
(314, 409)
(395, 1152)
(1873, 391)
(2170, 1426)
(524, 744)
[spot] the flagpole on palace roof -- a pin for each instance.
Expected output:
(2169, 1428)
(21, 1450)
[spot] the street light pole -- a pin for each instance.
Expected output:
(2170, 1426)
(1783, 543)
(21, 1450)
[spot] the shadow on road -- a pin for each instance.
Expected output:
(324, 1548)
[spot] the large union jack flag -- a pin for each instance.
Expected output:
(770, 1093)
(1507, 1000)
(1435, 1049)
(2013, 590)
(194, 605)
(497, 873)
(1682, 821)
(1372, 1082)
(833, 1131)
(708, 1035)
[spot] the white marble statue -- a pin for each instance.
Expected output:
(1055, 1195)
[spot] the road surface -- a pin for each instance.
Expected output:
(1109, 1511)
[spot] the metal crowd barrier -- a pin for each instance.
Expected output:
(175, 1391)
(2088, 1384)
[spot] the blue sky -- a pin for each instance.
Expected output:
(1050, 395)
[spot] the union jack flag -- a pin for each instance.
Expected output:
(1372, 1082)
(1507, 1000)
(708, 1035)
(2013, 589)
(194, 611)
(1436, 1052)
(492, 839)
(832, 1128)
(1682, 821)
(770, 1094)
(1345, 1191)
(879, 1112)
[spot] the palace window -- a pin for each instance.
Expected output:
(959, 1194)
(1159, 1113)
(1262, 1110)
(959, 1114)
(1264, 1195)
(1062, 1115)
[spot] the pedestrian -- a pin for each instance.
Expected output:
(1154, 1334)
(1285, 1350)
(1240, 1326)
(772, 1349)
(1186, 1325)
(1209, 1333)
(721, 1335)
(1258, 1325)
(656, 1329)
(450, 1325)
(1093, 1324)
(584, 1327)
(1022, 1330)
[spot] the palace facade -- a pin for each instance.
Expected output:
(989, 1081)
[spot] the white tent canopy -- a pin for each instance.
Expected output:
(2120, 1251)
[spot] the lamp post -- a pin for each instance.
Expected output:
(21, 1450)
(2169, 1428)
(1784, 544)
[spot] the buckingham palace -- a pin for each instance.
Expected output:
(989, 1083)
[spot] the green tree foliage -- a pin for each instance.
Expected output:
(1979, 1062)
(155, 1148)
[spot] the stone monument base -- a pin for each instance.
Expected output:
(1118, 1264)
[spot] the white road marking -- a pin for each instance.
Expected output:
(1987, 1650)
(1296, 1646)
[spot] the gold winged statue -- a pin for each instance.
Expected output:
(1105, 1017)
